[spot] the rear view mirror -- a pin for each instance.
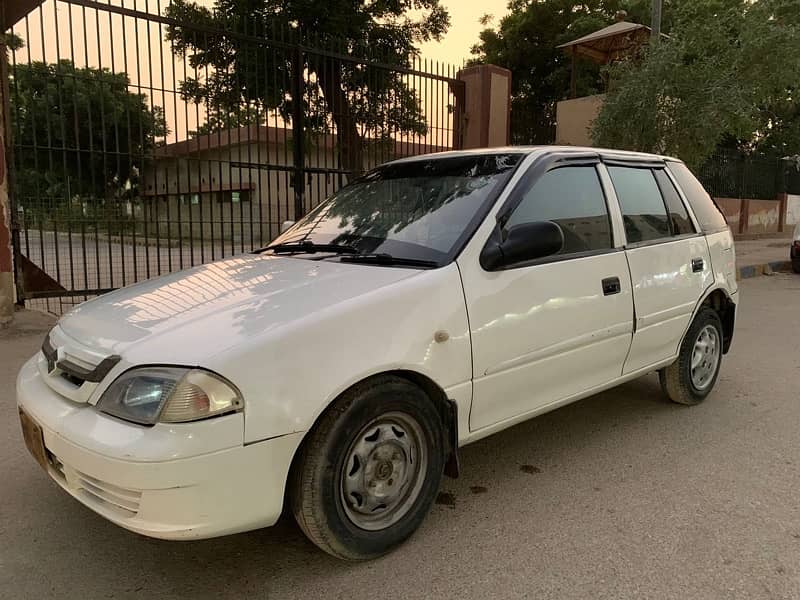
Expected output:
(286, 225)
(523, 242)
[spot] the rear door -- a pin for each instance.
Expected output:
(668, 257)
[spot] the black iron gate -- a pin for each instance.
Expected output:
(144, 144)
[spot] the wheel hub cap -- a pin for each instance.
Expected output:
(705, 357)
(383, 471)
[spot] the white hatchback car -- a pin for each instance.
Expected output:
(434, 301)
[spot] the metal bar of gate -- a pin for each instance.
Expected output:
(298, 131)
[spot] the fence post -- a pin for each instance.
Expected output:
(487, 106)
(298, 135)
(6, 262)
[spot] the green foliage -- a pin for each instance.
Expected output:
(243, 79)
(12, 41)
(727, 76)
(526, 40)
(79, 134)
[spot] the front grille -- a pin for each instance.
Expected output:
(70, 369)
(77, 374)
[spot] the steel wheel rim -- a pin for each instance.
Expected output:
(705, 357)
(383, 472)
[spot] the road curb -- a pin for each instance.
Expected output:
(769, 268)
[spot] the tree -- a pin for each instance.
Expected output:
(526, 40)
(728, 75)
(78, 132)
(244, 71)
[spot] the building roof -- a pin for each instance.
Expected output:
(263, 134)
(609, 43)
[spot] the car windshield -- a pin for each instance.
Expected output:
(418, 210)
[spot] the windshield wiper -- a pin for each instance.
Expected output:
(309, 247)
(387, 259)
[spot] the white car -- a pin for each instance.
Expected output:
(435, 301)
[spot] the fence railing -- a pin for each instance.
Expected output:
(733, 175)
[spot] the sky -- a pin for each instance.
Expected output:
(464, 29)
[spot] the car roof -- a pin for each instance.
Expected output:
(527, 150)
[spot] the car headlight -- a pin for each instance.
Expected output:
(151, 395)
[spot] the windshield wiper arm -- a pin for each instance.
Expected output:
(309, 247)
(387, 259)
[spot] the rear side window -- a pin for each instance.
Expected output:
(573, 198)
(678, 215)
(643, 210)
(708, 215)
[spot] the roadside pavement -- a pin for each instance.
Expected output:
(754, 256)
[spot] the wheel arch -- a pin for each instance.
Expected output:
(446, 408)
(720, 301)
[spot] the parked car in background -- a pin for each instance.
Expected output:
(794, 251)
(433, 302)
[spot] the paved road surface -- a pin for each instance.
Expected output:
(622, 495)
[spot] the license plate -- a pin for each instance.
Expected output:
(34, 439)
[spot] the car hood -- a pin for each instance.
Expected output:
(191, 315)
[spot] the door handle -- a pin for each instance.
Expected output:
(697, 265)
(611, 286)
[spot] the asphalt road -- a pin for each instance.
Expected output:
(622, 495)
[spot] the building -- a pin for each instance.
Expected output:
(237, 184)
(574, 117)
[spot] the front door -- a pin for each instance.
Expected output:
(549, 329)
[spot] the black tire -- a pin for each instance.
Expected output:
(796, 266)
(316, 495)
(676, 379)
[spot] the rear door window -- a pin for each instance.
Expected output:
(708, 214)
(678, 215)
(643, 210)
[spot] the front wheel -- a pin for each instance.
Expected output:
(370, 469)
(692, 376)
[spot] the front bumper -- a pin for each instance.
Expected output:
(110, 466)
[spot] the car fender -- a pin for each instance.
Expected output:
(289, 376)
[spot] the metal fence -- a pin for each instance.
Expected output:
(733, 175)
(145, 142)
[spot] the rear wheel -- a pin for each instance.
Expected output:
(369, 470)
(692, 376)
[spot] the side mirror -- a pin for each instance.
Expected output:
(286, 225)
(524, 242)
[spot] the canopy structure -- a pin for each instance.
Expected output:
(607, 45)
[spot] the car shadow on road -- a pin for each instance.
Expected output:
(536, 455)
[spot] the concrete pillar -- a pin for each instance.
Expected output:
(487, 106)
(783, 199)
(6, 263)
(744, 219)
